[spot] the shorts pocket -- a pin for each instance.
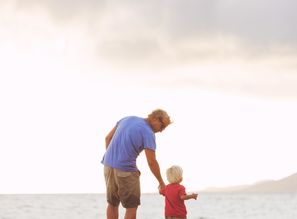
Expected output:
(123, 174)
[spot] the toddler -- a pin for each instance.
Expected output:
(175, 194)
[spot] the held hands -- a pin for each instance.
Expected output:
(161, 187)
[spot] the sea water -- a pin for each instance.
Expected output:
(207, 206)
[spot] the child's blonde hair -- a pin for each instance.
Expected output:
(174, 174)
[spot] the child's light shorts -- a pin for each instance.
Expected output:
(175, 218)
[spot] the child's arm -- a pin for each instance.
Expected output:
(187, 197)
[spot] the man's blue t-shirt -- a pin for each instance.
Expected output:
(132, 135)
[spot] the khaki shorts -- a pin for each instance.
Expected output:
(122, 187)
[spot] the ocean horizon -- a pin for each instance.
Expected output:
(207, 206)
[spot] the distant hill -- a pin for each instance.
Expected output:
(287, 184)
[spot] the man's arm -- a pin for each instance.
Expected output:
(154, 166)
(109, 136)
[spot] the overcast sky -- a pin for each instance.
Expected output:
(225, 70)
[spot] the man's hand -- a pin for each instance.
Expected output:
(161, 186)
(161, 189)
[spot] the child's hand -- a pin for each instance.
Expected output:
(194, 196)
(189, 196)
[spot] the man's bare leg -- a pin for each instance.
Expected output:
(130, 213)
(112, 212)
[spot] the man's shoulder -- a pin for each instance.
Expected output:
(134, 122)
(132, 118)
(128, 119)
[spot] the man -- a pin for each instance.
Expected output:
(124, 142)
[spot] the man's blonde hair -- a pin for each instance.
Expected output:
(161, 115)
(174, 174)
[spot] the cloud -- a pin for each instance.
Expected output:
(237, 44)
(178, 31)
(65, 9)
(259, 23)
